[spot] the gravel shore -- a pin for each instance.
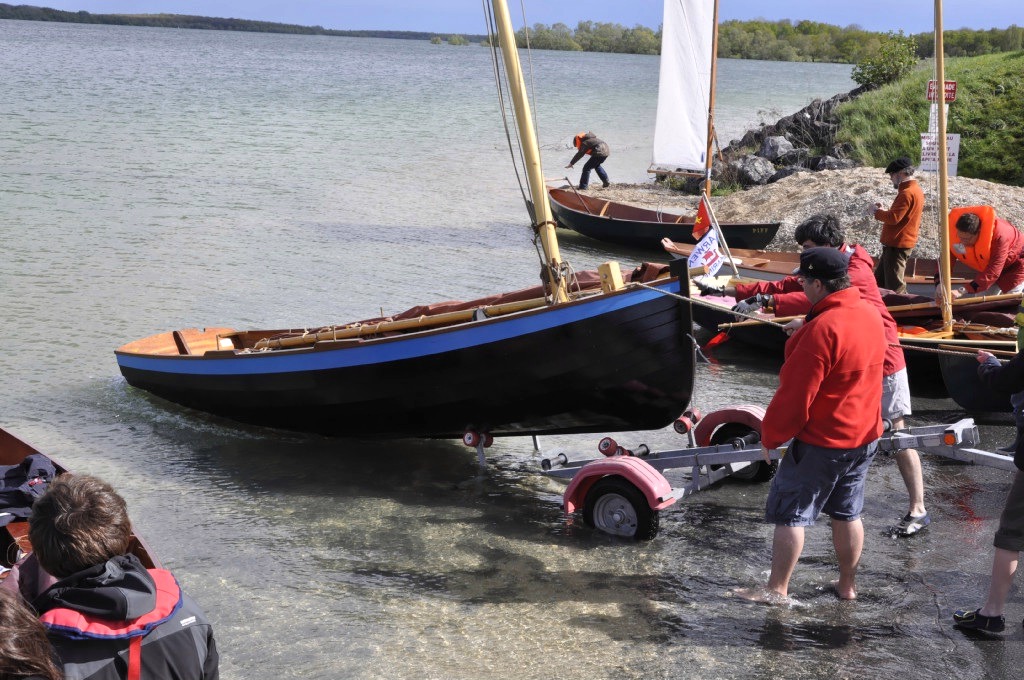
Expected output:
(846, 193)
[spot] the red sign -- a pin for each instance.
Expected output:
(950, 91)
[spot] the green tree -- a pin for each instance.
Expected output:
(896, 56)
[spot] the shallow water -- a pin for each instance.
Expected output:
(155, 179)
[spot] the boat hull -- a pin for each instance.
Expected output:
(635, 227)
(960, 375)
(619, 361)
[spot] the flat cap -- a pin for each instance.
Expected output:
(901, 163)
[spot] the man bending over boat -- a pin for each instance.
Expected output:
(995, 249)
(109, 617)
(828, 403)
(787, 298)
(588, 144)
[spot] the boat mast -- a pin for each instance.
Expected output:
(711, 100)
(544, 221)
(940, 86)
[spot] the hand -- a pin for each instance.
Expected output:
(954, 294)
(766, 455)
(750, 305)
(793, 326)
(668, 244)
(569, 167)
(706, 289)
(984, 356)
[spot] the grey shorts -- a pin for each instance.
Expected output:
(1010, 534)
(896, 395)
(814, 479)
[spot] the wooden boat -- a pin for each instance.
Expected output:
(959, 367)
(552, 360)
(14, 541)
(773, 265)
(629, 225)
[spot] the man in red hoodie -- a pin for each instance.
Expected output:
(786, 298)
(829, 404)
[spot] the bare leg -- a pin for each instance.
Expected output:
(787, 544)
(1004, 564)
(848, 539)
(909, 464)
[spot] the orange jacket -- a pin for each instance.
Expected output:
(996, 254)
(902, 221)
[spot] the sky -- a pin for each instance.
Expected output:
(466, 16)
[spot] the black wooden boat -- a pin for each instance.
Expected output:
(960, 375)
(628, 225)
(505, 365)
(14, 543)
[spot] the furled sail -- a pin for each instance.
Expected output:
(684, 86)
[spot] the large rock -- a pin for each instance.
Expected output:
(774, 147)
(753, 170)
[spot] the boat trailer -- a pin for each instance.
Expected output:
(622, 492)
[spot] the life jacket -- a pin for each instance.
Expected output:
(78, 626)
(978, 256)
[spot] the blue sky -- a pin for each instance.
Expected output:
(466, 16)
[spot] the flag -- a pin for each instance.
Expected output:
(703, 220)
(705, 254)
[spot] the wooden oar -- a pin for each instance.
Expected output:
(420, 322)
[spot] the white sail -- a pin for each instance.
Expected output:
(684, 85)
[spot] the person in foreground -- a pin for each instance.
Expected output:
(108, 617)
(786, 298)
(901, 224)
(588, 144)
(829, 404)
(25, 652)
(1009, 538)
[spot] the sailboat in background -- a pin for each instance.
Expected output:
(684, 135)
(581, 353)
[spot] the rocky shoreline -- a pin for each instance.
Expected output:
(785, 183)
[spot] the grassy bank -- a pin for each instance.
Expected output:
(988, 114)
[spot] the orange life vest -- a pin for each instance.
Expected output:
(977, 256)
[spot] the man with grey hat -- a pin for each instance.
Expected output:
(901, 224)
(828, 407)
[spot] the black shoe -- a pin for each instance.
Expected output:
(971, 620)
(607, 184)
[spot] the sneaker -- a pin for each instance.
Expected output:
(911, 525)
(972, 620)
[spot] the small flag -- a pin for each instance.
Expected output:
(703, 220)
(705, 254)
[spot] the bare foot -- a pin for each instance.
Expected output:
(763, 595)
(844, 593)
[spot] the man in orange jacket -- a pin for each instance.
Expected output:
(901, 224)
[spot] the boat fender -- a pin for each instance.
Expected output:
(745, 414)
(651, 483)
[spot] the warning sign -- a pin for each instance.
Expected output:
(930, 153)
(949, 91)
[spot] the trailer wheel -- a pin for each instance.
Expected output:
(758, 471)
(616, 507)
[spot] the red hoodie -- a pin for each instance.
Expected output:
(791, 301)
(830, 386)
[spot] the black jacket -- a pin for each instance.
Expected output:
(1007, 378)
(92, 617)
(590, 144)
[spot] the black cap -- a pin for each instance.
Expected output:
(901, 163)
(823, 263)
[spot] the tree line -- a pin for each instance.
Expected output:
(769, 40)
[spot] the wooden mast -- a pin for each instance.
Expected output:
(940, 87)
(711, 100)
(544, 221)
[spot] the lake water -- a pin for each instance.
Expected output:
(153, 179)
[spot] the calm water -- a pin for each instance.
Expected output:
(155, 179)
